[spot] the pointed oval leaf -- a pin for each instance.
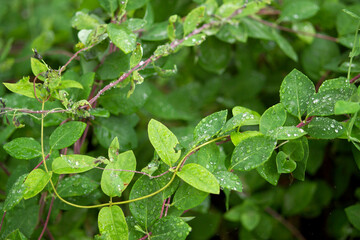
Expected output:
(170, 228)
(295, 92)
(76, 185)
(286, 133)
(324, 128)
(209, 126)
(353, 214)
(164, 142)
(269, 170)
(145, 211)
(67, 164)
(23, 148)
(229, 180)
(36, 182)
(113, 182)
(284, 45)
(187, 197)
(112, 223)
(272, 118)
(122, 37)
(200, 178)
(237, 137)
(298, 10)
(252, 152)
(38, 68)
(346, 107)
(23, 87)
(66, 134)
(241, 119)
(195, 17)
(113, 150)
(15, 194)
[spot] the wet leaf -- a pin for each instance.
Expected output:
(324, 128)
(284, 165)
(195, 17)
(286, 133)
(272, 118)
(76, 185)
(297, 10)
(112, 223)
(170, 228)
(67, 134)
(209, 126)
(23, 148)
(122, 37)
(229, 180)
(36, 182)
(187, 197)
(15, 194)
(67, 164)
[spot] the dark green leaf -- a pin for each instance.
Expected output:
(353, 214)
(135, 4)
(272, 118)
(324, 128)
(114, 65)
(284, 165)
(295, 92)
(76, 185)
(157, 32)
(187, 197)
(170, 228)
(15, 194)
(298, 197)
(209, 126)
(35, 182)
(23, 148)
(164, 142)
(200, 178)
(16, 235)
(112, 223)
(247, 213)
(252, 152)
(285, 46)
(298, 151)
(113, 182)
(269, 170)
(109, 5)
(67, 134)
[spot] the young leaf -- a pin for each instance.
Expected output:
(15, 194)
(353, 214)
(269, 170)
(38, 68)
(122, 37)
(241, 119)
(113, 182)
(136, 56)
(164, 142)
(109, 5)
(195, 17)
(145, 211)
(23, 148)
(194, 40)
(284, 165)
(113, 150)
(170, 228)
(237, 137)
(36, 182)
(272, 118)
(286, 133)
(67, 134)
(76, 185)
(200, 178)
(187, 197)
(112, 223)
(295, 92)
(83, 20)
(23, 87)
(229, 180)
(67, 164)
(252, 152)
(209, 126)
(346, 107)
(324, 128)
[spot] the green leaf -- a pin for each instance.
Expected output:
(113, 182)
(269, 170)
(113, 150)
(353, 214)
(170, 228)
(298, 151)
(194, 40)
(243, 118)
(114, 65)
(67, 164)
(272, 118)
(38, 68)
(295, 92)
(145, 211)
(136, 56)
(112, 223)
(284, 165)
(258, 30)
(69, 84)
(304, 27)
(187, 197)
(77, 185)
(238, 137)
(229, 180)
(200, 178)
(345, 23)
(324, 128)
(135, 4)
(157, 32)
(23, 87)
(346, 107)
(252, 152)
(109, 6)
(67, 134)
(23, 148)
(286, 133)
(209, 157)
(297, 10)
(15, 194)
(164, 142)
(83, 20)
(122, 37)
(247, 213)
(209, 126)
(16, 235)
(298, 197)
(36, 182)
(285, 46)
(195, 17)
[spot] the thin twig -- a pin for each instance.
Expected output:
(2, 220)
(3, 167)
(163, 208)
(146, 236)
(273, 25)
(167, 206)
(47, 218)
(73, 57)
(355, 78)
(294, 231)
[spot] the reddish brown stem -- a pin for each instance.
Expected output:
(3, 167)
(2, 220)
(355, 78)
(73, 57)
(47, 218)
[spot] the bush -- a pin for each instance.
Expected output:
(120, 128)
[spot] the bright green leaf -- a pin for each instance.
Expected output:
(136, 56)
(238, 137)
(109, 5)
(67, 164)
(112, 223)
(36, 182)
(122, 37)
(272, 118)
(200, 178)
(23, 87)
(170, 228)
(83, 20)
(38, 68)
(67, 134)
(209, 126)
(346, 107)
(194, 18)
(23, 148)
